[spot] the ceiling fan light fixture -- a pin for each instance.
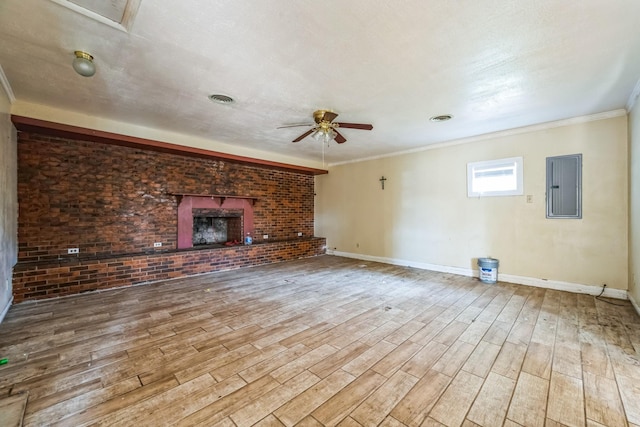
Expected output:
(326, 129)
(221, 99)
(324, 133)
(83, 63)
(441, 118)
(329, 135)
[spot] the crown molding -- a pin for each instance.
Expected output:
(499, 134)
(60, 130)
(4, 82)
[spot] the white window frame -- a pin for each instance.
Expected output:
(488, 165)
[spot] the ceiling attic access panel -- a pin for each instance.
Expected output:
(215, 206)
(118, 14)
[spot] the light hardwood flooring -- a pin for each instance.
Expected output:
(325, 341)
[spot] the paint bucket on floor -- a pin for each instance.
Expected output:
(488, 269)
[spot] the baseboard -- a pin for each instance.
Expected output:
(5, 310)
(635, 304)
(576, 288)
(510, 278)
(405, 263)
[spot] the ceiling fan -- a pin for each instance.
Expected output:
(326, 129)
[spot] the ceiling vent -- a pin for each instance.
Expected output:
(441, 118)
(221, 99)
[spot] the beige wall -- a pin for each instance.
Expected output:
(8, 203)
(634, 204)
(424, 216)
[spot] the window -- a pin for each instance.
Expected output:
(502, 177)
(564, 186)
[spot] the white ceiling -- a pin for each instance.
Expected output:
(493, 64)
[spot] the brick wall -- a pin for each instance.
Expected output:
(114, 202)
(48, 279)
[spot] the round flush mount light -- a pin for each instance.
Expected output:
(83, 64)
(441, 118)
(221, 99)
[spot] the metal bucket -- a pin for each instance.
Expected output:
(488, 269)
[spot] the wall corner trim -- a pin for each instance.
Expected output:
(510, 278)
(5, 310)
(634, 303)
(633, 97)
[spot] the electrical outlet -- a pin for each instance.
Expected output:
(265, 236)
(73, 250)
(299, 233)
(529, 198)
(157, 244)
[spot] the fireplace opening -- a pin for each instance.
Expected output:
(197, 226)
(217, 230)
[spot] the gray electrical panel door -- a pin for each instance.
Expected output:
(564, 186)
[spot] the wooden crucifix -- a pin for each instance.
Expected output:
(382, 180)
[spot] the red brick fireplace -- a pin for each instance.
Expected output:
(192, 206)
(116, 201)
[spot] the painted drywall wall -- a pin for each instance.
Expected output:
(634, 205)
(424, 217)
(8, 204)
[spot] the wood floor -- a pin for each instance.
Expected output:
(325, 341)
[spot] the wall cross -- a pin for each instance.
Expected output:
(382, 180)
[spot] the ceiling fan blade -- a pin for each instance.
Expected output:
(293, 126)
(355, 126)
(339, 138)
(304, 135)
(329, 116)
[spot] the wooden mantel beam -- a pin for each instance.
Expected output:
(28, 124)
(222, 197)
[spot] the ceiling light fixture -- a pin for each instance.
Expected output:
(83, 64)
(441, 118)
(325, 134)
(221, 99)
